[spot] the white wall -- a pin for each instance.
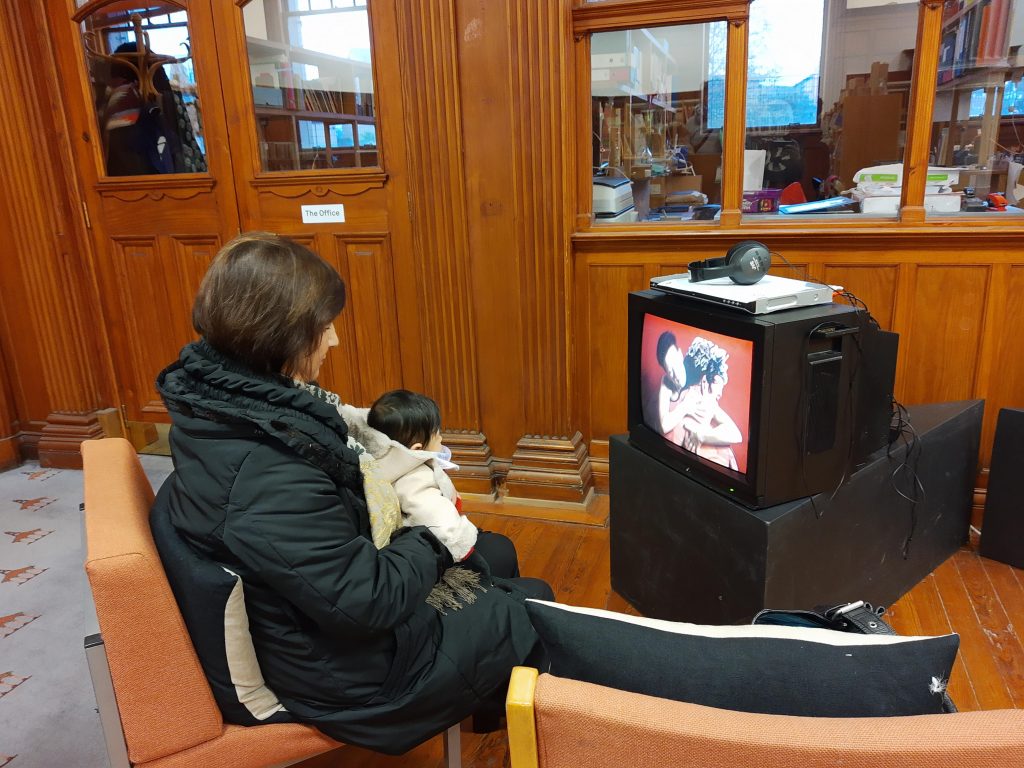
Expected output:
(687, 46)
(858, 37)
(255, 19)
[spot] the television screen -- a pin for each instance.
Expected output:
(695, 388)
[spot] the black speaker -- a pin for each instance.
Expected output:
(745, 263)
(1002, 530)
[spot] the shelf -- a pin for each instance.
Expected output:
(334, 117)
(642, 99)
(294, 53)
(960, 14)
(979, 77)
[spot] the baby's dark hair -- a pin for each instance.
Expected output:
(406, 417)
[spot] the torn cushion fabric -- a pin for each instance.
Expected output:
(764, 669)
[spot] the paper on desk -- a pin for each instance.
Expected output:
(1013, 190)
(753, 169)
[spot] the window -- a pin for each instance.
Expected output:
(656, 157)
(978, 125)
(784, 64)
(828, 84)
(312, 83)
(144, 89)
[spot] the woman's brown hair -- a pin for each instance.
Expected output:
(266, 300)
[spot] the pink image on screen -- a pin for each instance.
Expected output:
(696, 390)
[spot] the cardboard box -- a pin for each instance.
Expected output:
(661, 186)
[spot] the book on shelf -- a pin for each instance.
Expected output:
(974, 34)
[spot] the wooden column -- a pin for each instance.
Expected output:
(734, 138)
(922, 107)
(550, 461)
(9, 453)
(439, 207)
(56, 353)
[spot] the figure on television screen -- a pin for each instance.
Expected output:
(672, 408)
(689, 412)
(708, 430)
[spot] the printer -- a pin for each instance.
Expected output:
(613, 200)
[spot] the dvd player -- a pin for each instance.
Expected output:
(770, 294)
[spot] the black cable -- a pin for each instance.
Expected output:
(847, 295)
(906, 433)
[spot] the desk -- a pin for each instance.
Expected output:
(683, 552)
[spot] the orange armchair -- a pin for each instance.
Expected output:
(558, 723)
(156, 707)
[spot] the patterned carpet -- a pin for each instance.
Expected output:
(47, 709)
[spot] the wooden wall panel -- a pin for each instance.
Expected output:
(192, 257)
(484, 94)
(941, 351)
(440, 209)
(607, 366)
(552, 453)
(1003, 382)
(874, 284)
(371, 286)
(150, 305)
(58, 365)
(9, 453)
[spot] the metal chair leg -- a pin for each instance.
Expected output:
(453, 746)
(103, 687)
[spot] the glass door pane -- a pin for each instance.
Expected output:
(312, 83)
(139, 57)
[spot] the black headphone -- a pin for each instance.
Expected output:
(745, 263)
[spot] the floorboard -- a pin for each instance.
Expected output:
(980, 599)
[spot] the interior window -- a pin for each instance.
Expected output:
(144, 90)
(657, 150)
(312, 83)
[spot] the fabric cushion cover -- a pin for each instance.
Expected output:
(765, 669)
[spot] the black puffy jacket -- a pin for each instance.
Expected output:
(266, 485)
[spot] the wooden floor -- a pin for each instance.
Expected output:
(980, 599)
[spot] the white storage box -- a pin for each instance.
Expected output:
(892, 175)
(889, 205)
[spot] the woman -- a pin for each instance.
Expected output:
(268, 485)
(707, 429)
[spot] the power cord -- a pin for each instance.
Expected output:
(845, 294)
(905, 432)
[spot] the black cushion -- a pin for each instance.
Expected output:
(212, 604)
(766, 669)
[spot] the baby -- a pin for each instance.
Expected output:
(415, 463)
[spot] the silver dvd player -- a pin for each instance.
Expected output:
(770, 294)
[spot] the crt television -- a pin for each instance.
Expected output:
(763, 408)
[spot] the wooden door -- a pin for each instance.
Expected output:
(315, 123)
(149, 136)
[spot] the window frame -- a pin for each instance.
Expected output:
(609, 15)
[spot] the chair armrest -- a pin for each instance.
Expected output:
(522, 727)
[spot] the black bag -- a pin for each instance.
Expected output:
(859, 617)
